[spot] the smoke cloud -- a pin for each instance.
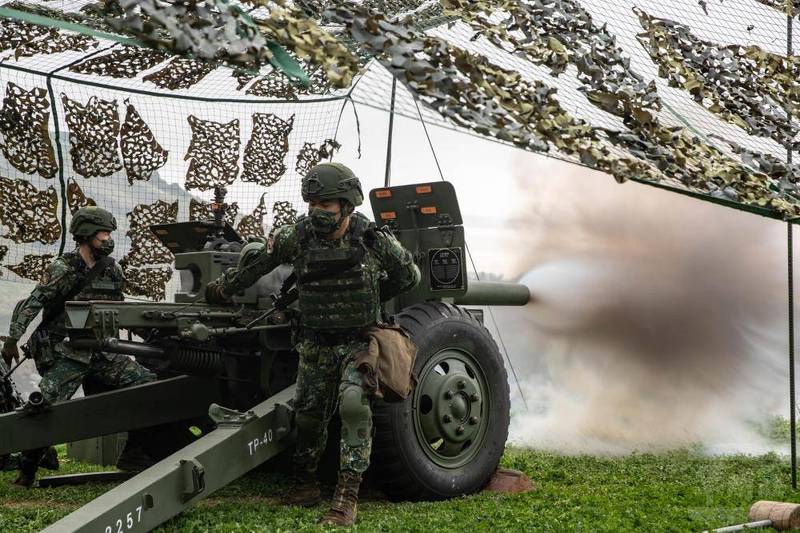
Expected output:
(658, 321)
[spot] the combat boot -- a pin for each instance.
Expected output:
(50, 459)
(134, 457)
(345, 501)
(28, 465)
(303, 490)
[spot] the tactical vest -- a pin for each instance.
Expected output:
(106, 285)
(337, 282)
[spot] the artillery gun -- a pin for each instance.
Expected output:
(230, 371)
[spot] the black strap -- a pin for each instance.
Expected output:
(57, 307)
(333, 269)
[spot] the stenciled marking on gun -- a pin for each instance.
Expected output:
(255, 443)
(132, 518)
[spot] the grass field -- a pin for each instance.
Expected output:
(683, 490)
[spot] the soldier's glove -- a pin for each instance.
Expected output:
(215, 295)
(10, 351)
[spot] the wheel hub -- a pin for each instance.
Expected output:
(450, 407)
(455, 407)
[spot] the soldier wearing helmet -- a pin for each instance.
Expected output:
(344, 267)
(86, 273)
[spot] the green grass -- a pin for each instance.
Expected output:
(683, 490)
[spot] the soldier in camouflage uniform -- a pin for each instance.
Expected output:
(87, 273)
(344, 267)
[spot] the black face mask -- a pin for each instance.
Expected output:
(105, 249)
(323, 222)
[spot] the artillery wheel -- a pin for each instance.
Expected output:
(447, 437)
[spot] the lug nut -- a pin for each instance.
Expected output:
(448, 395)
(473, 420)
(446, 419)
(474, 397)
(460, 430)
(461, 384)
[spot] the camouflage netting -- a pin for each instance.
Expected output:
(699, 97)
(23, 124)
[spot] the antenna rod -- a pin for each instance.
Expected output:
(388, 177)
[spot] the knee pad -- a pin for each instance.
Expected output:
(356, 416)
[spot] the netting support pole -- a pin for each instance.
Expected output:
(57, 140)
(790, 257)
(792, 417)
(60, 155)
(387, 180)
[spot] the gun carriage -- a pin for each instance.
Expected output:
(229, 370)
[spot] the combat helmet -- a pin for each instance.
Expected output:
(89, 220)
(331, 181)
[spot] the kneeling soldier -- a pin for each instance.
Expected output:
(87, 273)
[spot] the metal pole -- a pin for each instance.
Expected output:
(388, 176)
(790, 257)
(792, 418)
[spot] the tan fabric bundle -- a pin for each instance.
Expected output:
(388, 362)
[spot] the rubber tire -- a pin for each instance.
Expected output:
(402, 468)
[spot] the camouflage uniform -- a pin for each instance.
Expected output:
(62, 369)
(329, 329)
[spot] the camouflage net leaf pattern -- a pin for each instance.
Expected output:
(76, 198)
(311, 154)
(15, 33)
(24, 127)
(145, 246)
(290, 27)
(562, 33)
(768, 164)
(150, 282)
(32, 266)
(266, 149)
(790, 7)
(252, 225)
(277, 85)
(478, 94)
(213, 154)
(180, 73)
(199, 210)
(283, 214)
(93, 132)
(141, 153)
(745, 86)
(56, 42)
(210, 30)
(125, 62)
(30, 214)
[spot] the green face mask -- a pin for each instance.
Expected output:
(106, 248)
(323, 222)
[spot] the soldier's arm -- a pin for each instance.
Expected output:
(54, 284)
(284, 249)
(397, 262)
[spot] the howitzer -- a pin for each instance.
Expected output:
(233, 367)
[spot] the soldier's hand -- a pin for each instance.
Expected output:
(214, 294)
(10, 351)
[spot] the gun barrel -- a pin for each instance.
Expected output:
(138, 349)
(495, 293)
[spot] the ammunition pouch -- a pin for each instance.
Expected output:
(40, 347)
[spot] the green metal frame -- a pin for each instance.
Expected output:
(142, 406)
(241, 442)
